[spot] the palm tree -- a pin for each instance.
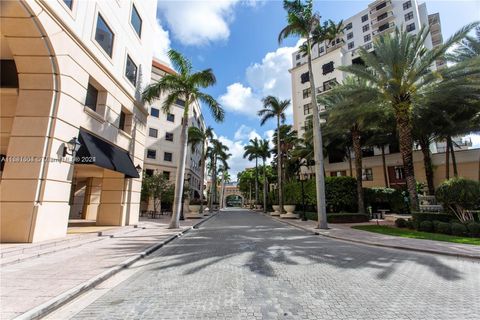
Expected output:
(252, 153)
(198, 136)
(398, 71)
(467, 49)
(264, 153)
(217, 151)
(225, 179)
(275, 108)
(184, 85)
(305, 23)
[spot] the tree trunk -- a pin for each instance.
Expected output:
(427, 163)
(350, 166)
(406, 144)
(264, 187)
(318, 149)
(222, 191)
(202, 176)
(454, 160)
(357, 149)
(179, 180)
(213, 188)
(384, 164)
(256, 181)
(279, 167)
(447, 159)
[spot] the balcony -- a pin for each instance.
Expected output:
(383, 18)
(383, 29)
(334, 46)
(379, 7)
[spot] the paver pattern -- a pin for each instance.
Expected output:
(243, 265)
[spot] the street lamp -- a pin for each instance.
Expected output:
(71, 147)
(302, 176)
(187, 179)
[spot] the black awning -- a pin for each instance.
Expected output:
(94, 150)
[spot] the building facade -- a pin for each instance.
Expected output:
(162, 148)
(72, 123)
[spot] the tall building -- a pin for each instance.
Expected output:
(162, 147)
(380, 17)
(71, 76)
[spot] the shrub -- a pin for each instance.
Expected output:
(385, 198)
(429, 216)
(442, 227)
(195, 202)
(458, 229)
(426, 226)
(292, 191)
(401, 223)
(340, 192)
(340, 217)
(459, 195)
(474, 229)
(409, 224)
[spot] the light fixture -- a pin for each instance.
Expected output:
(71, 147)
(139, 168)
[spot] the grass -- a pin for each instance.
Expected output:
(408, 233)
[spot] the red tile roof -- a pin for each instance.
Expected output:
(162, 67)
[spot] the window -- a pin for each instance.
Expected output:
(104, 35)
(305, 77)
(154, 112)
(195, 114)
(151, 154)
(297, 57)
(306, 93)
(166, 175)
(169, 136)
(367, 174)
(364, 18)
(136, 21)
(148, 172)
(153, 133)
(349, 35)
(321, 49)
(410, 27)
(399, 174)
(307, 109)
(367, 38)
(9, 74)
(180, 102)
(383, 27)
(92, 96)
(407, 5)
(348, 26)
(171, 117)
(409, 16)
(365, 28)
(351, 45)
(342, 173)
(69, 3)
(121, 123)
(131, 71)
(368, 46)
(327, 68)
(381, 6)
(167, 156)
(327, 85)
(382, 16)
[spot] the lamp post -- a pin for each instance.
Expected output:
(187, 179)
(71, 147)
(302, 176)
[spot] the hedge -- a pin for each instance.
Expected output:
(340, 217)
(419, 217)
(385, 198)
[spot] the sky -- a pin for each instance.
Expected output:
(238, 40)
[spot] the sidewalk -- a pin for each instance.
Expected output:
(345, 232)
(35, 283)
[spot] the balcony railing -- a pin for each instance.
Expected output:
(380, 8)
(389, 28)
(376, 21)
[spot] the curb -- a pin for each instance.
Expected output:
(457, 255)
(58, 301)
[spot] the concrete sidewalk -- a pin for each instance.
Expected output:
(345, 232)
(32, 285)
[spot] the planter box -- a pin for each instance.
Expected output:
(276, 210)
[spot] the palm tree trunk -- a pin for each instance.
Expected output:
(264, 187)
(179, 180)
(447, 159)
(279, 167)
(427, 163)
(222, 191)
(318, 149)
(256, 181)
(384, 164)
(454, 160)
(406, 145)
(349, 156)
(202, 176)
(357, 148)
(214, 184)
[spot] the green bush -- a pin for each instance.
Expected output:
(340, 192)
(429, 216)
(292, 191)
(409, 224)
(340, 217)
(401, 223)
(459, 195)
(426, 226)
(442, 227)
(385, 198)
(474, 229)
(458, 229)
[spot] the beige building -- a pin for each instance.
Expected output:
(162, 147)
(72, 71)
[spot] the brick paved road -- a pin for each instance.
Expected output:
(242, 265)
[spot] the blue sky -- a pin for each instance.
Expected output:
(238, 40)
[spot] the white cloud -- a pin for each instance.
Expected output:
(162, 43)
(236, 162)
(240, 99)
(246, 133)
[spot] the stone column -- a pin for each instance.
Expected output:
(111, 209)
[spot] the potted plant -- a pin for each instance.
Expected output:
(289, 207)
(275, 207)
(194, 208)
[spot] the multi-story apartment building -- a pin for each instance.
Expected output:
(71, 76)
(380, 17)
(162, 147)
